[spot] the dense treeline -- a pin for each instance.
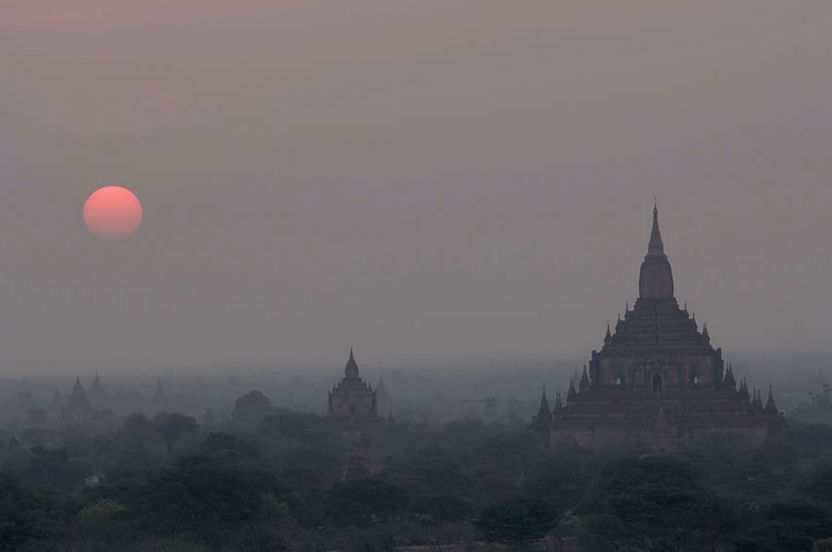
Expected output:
(168, 484)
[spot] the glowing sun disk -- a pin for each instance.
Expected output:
(113, 213)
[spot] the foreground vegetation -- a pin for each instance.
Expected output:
(168, 484)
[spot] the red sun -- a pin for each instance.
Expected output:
(113, 213)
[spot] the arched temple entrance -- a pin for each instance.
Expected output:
(657, 382)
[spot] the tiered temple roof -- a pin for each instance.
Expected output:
(78, 406)
(657, 378)
(352, 398)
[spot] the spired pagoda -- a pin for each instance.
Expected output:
(657, 381)
(353, 399)
(98, 397)
(78, 407)
(84, 406)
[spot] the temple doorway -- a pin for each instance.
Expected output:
(657, 382)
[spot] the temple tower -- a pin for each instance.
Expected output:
(542, 422)
(78, 408)
(656, 359)
(352, 398)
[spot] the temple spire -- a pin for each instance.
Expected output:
(656, 246)
(771, 408)
(78, 401)
(351, 369)
(656, 277)
(571, 394)
(543, 421)
(544, 405)
(584, 385)
(757, 403)
(729, 377)
(78, 389)
(744, 390)
(558, 404)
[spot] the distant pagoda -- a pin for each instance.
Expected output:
(78, 407)
(657, 381)
(98, 397)
(542, 422)
(353, 398)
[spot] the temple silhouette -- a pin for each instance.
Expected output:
(657, 381)
(352, 398)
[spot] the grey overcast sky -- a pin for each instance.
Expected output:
(414, 178)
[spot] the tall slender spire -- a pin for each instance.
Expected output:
(543, 421)
(771, 408)
(656, 246)
(78, 400)
(558, 404)
(584, 384)
(729, 380)
(757, 403)
(744, 390)
(544, 405)
(656, 278)
(571, 394)
(351, 369)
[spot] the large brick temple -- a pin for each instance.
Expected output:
(353, 398)
(658, 380)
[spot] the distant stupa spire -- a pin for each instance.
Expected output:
(351, 369)
(584, 384)
(771, 408)
(572, 393)
(544, 404)
(558, 404)
(656, 246)
(656, 277)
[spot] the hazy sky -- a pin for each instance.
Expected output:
(414, 178)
